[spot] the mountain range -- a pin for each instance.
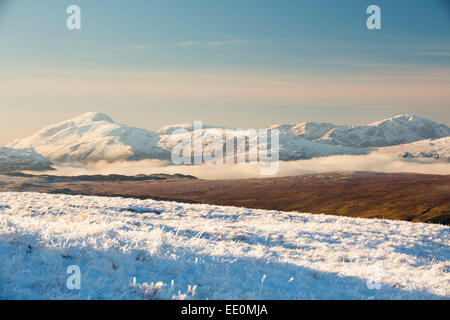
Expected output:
(93, 137)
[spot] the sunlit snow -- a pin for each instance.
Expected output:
(134, 249)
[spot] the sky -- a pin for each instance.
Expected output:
(233, 63)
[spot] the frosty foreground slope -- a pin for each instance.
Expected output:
(195, 251)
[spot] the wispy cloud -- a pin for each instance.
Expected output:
(187, 43)
(138, 46)
(85, 43)
(89, 43)
(435, 53)
(227, 43)
(220, 43)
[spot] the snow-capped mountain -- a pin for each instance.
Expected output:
(400, 129)
(292, 147)
(169, 129)
(429, 148)
(305, 130)
(93, 137)
(22, 159)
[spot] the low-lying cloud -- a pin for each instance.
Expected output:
(373, 162)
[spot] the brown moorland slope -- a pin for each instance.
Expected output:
(403, 196)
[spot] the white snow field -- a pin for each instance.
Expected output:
(136, 249)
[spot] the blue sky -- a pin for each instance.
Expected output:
(235, 63)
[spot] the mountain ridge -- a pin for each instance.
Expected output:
(22, 159)
(93, 137)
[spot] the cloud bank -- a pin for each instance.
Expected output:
(372, 162)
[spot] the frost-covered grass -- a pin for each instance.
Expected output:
(132, 249)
